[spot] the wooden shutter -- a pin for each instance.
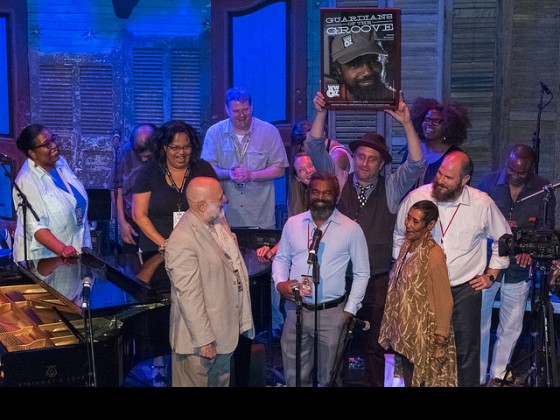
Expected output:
(471, 75)
(168, 83)
(148, 85)
(76, 100)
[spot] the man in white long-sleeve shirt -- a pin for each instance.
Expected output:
(468, 217)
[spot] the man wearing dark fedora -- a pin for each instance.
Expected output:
(358, 68)
(372, 200)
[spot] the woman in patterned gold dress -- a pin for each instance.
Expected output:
(417, 319)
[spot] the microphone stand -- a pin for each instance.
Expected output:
(543, 370)
(536, 133)
(299, 319)
(546, 189)
(25, 205)
(347, 340)
(316, 272)
(92, 371)
(114, 218)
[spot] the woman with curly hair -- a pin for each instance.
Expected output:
(442, 128)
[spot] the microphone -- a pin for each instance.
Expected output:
(545, 88)
(317, 236)
(358, 323)
(116, 135)
(86, 292)
(5, 158)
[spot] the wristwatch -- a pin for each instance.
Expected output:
(491, 277)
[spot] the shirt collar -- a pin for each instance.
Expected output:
(464, 199)
(356, 183)
(502, 177)
(231, 131)
(334, 217)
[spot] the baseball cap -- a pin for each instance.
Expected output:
(374, 141)
(347, 47)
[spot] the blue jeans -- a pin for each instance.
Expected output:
(513, 300)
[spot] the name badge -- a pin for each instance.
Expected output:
(79, 216)
(176, 217)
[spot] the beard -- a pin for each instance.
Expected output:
(216, 216)
(321, 212)
(444, 194)
(375, 91)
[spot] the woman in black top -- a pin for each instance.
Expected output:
(159, 200)
(442, 128)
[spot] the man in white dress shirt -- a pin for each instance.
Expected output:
(468, 218)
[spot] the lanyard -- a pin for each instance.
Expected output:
(64, 180)
(179, 190)
(240, 154)
(443, 232)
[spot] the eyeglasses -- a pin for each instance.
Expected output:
(434, 121)
(48, 143)
(175, 149)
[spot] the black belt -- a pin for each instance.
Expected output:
(326, 305)
(460, 286)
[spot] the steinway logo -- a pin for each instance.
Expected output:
(52, 378)
(51, 371)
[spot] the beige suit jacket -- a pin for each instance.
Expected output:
(206, 305)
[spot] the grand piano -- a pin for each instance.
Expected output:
(43, 341)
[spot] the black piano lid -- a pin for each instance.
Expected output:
(145, 269)
(111, 288)
(148, 268)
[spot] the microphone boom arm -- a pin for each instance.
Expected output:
(546, 188)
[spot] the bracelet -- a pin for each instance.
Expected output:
(161, 248)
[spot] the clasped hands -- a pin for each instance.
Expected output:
(240, 174)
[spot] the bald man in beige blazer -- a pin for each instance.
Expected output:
(210, 301)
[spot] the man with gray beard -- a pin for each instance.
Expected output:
(210, 300)
(342, 241)
(468, 218)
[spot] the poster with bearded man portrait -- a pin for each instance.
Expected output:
(360, 57)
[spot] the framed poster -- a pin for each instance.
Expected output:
(360, 57)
